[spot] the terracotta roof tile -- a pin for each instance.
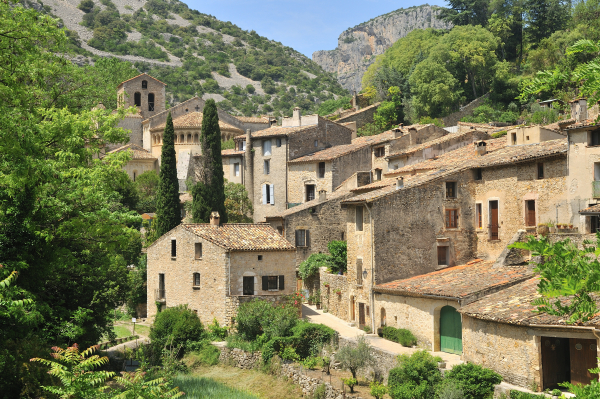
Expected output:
(242, 236)
(279, 131)
(376, 139)
(306, 205)
(428, 144)
(513, 306)
(135, 77)
(137, 151)
(194, 120)
(330, 153)
(253, 119)
(594, 209)
(459, 282)
(232, 152)
(353, 111)
(586, 123)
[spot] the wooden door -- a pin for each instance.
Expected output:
(530, 213)
(583, 358)
(555, 362)
(361, 315)
(248, 285)
(352, 309)
(494, 220)
(450, 330)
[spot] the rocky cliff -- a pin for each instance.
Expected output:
(358, 46)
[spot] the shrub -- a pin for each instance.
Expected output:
(416, 376)
(525, 395)
(339, 256)
(86, 6)
(216, 332)
(175, 327)
(289, 353)
(354, 357)
(402, 336)
(449, 390)
(310, 362)
(257, 317)
(320, 392)
(475, 381)
(310, 266)
(351, 382)
(310, 337)
(209, 355)
(378, 390)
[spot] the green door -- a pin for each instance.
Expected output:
(450, 330)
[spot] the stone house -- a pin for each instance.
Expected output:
(468, 205)
(213, 268)
(532, 134)
(501, 332)
(324, 171)
(141, 160)
(356, 114)
(233, 165)
(427, 304)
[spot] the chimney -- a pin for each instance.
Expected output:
(322, 195)
(296, 117)
(481, 147)
(399, 183)
(214, 218)
(412, 131)
(397, 132)
(582, 115)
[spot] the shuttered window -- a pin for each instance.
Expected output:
(273, 283)
(268, 194)
(478, 216)
(451, 218)
(359, 271)
(303, 238)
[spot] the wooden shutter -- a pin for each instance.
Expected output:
(272, 188)
(530, 213)
(281, 283)
(307, 235)
(264, 193)
(265, 283)
(297, 238)
(359, 271)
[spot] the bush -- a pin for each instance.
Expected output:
(310, 337)
(378, 390)
(355, 357)
(216, 332)
(400, 335)
(475, 381)
(449, 390)
(339, 256)
(257, 317)
(320, 392)
(310, 266)
(175, 327)
(86, 6)
(525, 395)
(416, 376)
(351, 382)
(208, 355)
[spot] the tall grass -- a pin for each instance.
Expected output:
(200, 388)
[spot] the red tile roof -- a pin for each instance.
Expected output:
(591, 210)
(330, 153)
(254, 119)
(194, 120)
(232, 152)
(242, 236)
(431, 143)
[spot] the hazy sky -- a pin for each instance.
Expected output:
(305, 25)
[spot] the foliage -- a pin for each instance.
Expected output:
(489, 113)
(525, 395)
(147, 186)
(76, 372)
(259, 317)
(390, 112)
(351, 382)
(403, 336)
(310, 337)
(585, 391)
(237, 203)
(415, 377)
(475, 381)
(435, 91)
(338, 251)
(378, 390)
(426, 120)
(136, 281)
(310, 362)
(565, 271)
(354, 357)
(449, 389)
(168, 215)
(330, 106)
(174, 328)
(320, 392)
(289, 353)
(499, 134)
(201, 387)
(216, 332)
(135, 385)
(541, 116)
(208, 355)
(209, 194)
(311, 265)
(369, 129)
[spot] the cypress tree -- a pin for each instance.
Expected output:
(209, 195)
(168, 214)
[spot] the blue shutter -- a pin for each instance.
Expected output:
(272, 188)
(264, 193)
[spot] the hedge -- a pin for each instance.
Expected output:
(400, 335)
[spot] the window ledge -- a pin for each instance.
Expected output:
(452, 229)
(173, 257)
(497, 240)
(196, 287)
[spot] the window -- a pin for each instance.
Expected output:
(248, 286)
(595, 138)
(379, 152)
(359, 218)
(527, 138)
(278, 142)
(196, 279)
(268, 194)
(540, 170)
(266, 166)
(173, 248)
(442, 255)
(513, 137)
(359, 271)
(478, 174)
(273, 283)
(236, 169)
(189, 138)
(321, 170)
(594, 224)
(151, 102)
(530, 213)
(343, 235)
(478, 216)
(316, 143)
(137, 99)
(450, 189)
(310, 192)
(161, 286)
(243, 145)
(451, 218)
(134, 175)
(377, 174)
(198, 250)
(144, 84)
(303, 238)
(260, 257)
(266, 147)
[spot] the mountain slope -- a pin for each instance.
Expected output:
(195, 53)
(358, 46)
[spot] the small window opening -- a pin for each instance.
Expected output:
(144, 84)
(527, 138)
(137, 99)
(173, 248)
(478, 216)
(316, 143)
(343, 235)
(310, 192)
(513, 138)
(378, 174)
(595, 138)
(359, 218)
(196, 279)
(359, 271)
(451, 218)
(278, 142)
(134, 175)
(151, 102)
(302, 238)
(236, 169)
(198, 250)
(540, 170)
(379, 152)
(321, 170)
(442, 255)
(260, 257)
(450, 189)
(272, 282)
(478, 174)
(267, 167)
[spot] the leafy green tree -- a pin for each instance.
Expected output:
(415, 377)
(167, 196)
(435, 91)
(147, 186)
(466, 12)
(237, 204)
(137, 386)
(568, 277)
(175, 328)
(339, 256)
(354, 357)
(136, 281)
(330, 106)
(390, 112)
(475, 381)
(209, 194)
(545, 17)
(310, 266)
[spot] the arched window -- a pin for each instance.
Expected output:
(189, 138)
(151, 102)
(134, 174)
(160, 139)
(144, 84)
(196, 138)
(181, 138)
(137, 99)
(196, 279)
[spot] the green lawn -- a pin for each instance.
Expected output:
(200, 388)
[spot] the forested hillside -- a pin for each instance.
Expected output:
(195, 53)
(495, 47)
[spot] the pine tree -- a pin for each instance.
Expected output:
(168, 214)
(209, 195)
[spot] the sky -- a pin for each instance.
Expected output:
(304, 25)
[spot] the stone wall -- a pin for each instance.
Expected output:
(133, 123)
(305, 173)
(277, 177)
(335, 304)
(126, 94)
(361, 117)
(345, 166)
(326, 133)
(454, 118)
(235, 357)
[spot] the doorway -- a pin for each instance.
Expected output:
(530, 213)
(494, 220)
(248, 285)
(567, 360)
(450, 330)
(361, 315)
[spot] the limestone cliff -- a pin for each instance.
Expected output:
(358, 46)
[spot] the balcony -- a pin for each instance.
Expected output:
(596, 189)
(159, 295)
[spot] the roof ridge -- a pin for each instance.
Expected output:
(135, 77)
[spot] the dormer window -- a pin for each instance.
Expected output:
(379, 152)
(144, 84)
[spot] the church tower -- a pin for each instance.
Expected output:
(145, 92)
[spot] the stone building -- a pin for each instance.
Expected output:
(469, 204)
(233, 165)
(356, 114)
(213, 268)
(503, 333)
(427, 304)
(141, 160)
